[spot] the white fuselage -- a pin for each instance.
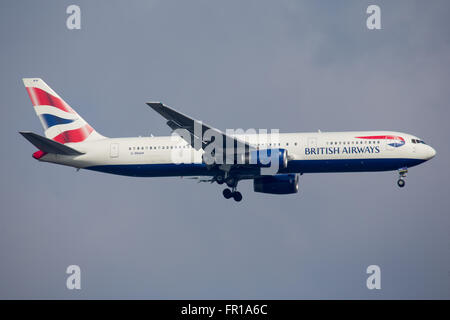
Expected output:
(308, 153)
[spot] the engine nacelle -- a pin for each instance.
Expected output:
(267, 157)
(278, 184)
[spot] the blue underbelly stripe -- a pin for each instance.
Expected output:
(350, 165)
(294, 166)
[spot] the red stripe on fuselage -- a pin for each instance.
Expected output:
(76, 135)
(382, 137)
(41, 98)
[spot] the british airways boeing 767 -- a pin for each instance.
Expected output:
(69, 140)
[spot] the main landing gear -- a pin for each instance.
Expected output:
(236, 195)
(401, 177)
(231, 182)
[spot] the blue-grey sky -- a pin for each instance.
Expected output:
(290, 65)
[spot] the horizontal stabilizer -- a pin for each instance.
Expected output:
(49, 146)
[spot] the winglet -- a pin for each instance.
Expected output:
(154, 104)
(158, 107)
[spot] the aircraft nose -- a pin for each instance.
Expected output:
(430, 153)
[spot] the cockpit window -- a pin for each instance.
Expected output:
(417, 141)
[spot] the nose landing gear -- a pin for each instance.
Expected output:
(401, 177)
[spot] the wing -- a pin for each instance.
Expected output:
(200, 132)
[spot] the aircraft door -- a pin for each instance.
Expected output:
(114, 150)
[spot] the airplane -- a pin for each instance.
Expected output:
(69, 140)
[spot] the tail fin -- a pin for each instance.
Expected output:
(61, 123)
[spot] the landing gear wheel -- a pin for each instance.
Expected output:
(227, 193)
(237, 196)
(219, 179)
(401, 176)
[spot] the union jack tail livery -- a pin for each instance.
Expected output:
(61, 123)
